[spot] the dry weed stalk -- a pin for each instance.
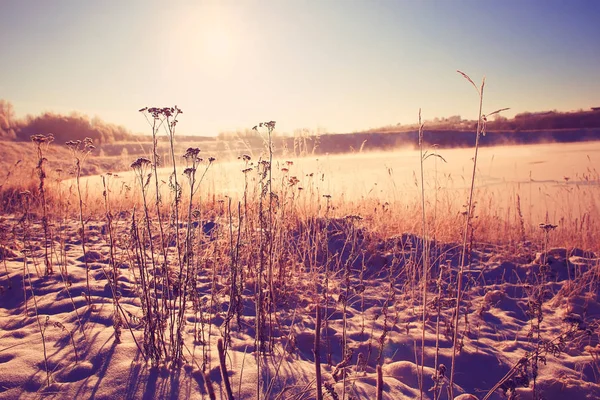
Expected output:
(467, 231)
(41, 143)
(154, 320)
(156, 119)
(223, 365)
(80, 151)
(264, 284)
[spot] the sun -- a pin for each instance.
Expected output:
(216, 43)
(205, 39)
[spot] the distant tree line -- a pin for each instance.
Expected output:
(64, 127)
(525, 128)
(527, 121)
(349, 142)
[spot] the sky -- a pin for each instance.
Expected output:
(333, 65)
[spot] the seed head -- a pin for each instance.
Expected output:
(189, 171)
(40, 139)
(140, 163)
(547, 227)
(191, 153)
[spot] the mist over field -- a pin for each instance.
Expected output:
(551, 169)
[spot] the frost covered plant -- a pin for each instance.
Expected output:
(156, 119)
(265, 259)
(117, 322)
(187, 275)
(536, 295)
(80, 150)
(154, 343)
(546, 228)
(41, 143)
(526, 369)
(166, 117)
(193, 161)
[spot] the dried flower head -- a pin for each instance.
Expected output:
(191, 153)
(40, 139)
(547, 227)
(140, 163)
(84, 147)
(73, 144)
(270, 125)
(162, 112)
(189, 171)
(353, 217)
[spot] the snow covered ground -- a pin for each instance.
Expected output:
(523, 309)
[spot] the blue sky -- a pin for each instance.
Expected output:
(335, 65)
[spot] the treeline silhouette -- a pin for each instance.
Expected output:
(525, 128)
(343, 143)
(64, 127)
(527, 121)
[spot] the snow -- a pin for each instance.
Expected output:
(498, 333)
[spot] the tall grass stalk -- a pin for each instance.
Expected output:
(41, 143)
(424, 257)
(113, 263)
(170, 116)
(467, 223)
(317, 353)
(466, 227)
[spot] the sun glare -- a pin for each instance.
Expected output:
(216, 43)
(205, 41)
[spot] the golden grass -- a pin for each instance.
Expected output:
(504, 216)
